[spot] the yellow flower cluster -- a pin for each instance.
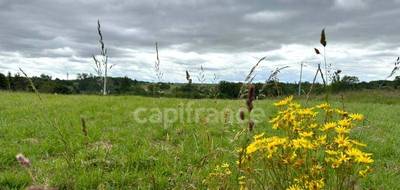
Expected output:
(313, 152)
(219, 177)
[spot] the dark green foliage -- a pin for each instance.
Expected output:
(164, 86)
(3, 82)
(20, 83)
(229, 89)
(124, 85)
(89, 84)
(345, 83)
(188, 90)
(397, 82)
(9, 79)
(62, 89)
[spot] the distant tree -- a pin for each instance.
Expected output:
(82, 76)
(229, 89)
(125, 85)
(344, 83)
(20, 83)
(45, 77)
(62, 89)
(350, 79)
(397, 82)
(88, 83)
(44, 85)
(139, 90)
(164, 86)
(3, 82)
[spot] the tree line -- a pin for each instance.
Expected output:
(90, 84)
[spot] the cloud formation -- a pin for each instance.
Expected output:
(225, 37)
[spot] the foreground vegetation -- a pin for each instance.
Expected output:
(114, 150)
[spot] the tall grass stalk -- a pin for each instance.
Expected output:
(68, 153)
(101, 65)
(249, 77)
(273, 77)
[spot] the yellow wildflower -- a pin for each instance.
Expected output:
(342, 130)
(342, 141)
(344, 123)
(251, 148)
(331, 152)
(294, 187)
(310, 146)
(364, 158)
(316, 169)
(354, 152)
(275, 126)
(364, 172)
(316, 184)
(307, 111)
(335, 164)
(294, 105)
(343, 158)
(284, 102)
(302, 143)
(356, 117)
(313, 126)
(275, 119)
(321, 140)
(328, 126)
(256, 137)
(242, 182)
(306, 134)
(323, 106)
(270, 144)
(341, 112)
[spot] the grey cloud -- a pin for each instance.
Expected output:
(64, 29)
(350, 5)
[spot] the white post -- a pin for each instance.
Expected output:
(301, 75)
(105, 76)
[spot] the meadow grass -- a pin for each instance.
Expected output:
(121, 153)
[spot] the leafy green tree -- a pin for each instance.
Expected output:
(350, 79)
(45, 77)
(397, 82)
(20, 83)
(229, 89)
(3, 82)
(62, 89)
(164, 86)
(125, 85)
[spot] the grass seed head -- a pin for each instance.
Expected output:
(323, 38)
(241, 113)
(84, 128)
(251, 125)
(317, 51)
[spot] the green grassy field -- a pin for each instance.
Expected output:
(123, 153)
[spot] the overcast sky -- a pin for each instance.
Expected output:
(227, 37)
